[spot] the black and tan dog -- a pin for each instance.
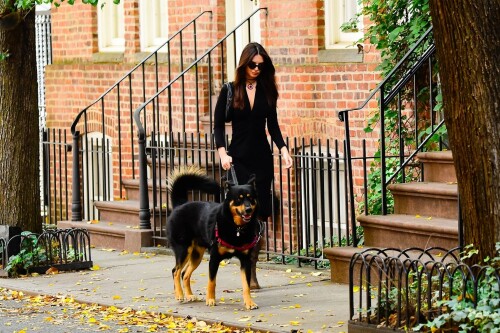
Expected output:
(227, 229)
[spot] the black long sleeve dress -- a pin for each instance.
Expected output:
(249, 146)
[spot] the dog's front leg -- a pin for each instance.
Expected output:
(176, 273)
(213, 267)
(245, 272)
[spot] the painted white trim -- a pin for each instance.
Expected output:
(111, 27)
(337, 12)
(236, 12)
(153, 24)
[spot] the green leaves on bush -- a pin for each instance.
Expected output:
(459, 314)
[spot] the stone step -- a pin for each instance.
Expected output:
(405, 231)
(426, 199)
(164, 168)
(113, 236)
(124, 213)
(205, 124)
(342, 258)
(438, 166)
(132, 188)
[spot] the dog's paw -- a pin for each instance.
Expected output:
(210, 302)
(190, 298)
(251, 306)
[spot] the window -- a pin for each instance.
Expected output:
(236, 12)
(110, 20)
(154, 24)
(338, 12)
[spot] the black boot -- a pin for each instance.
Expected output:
(254, 257)
(254, 284)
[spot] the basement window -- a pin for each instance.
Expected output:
(97, 172)
(322, 194)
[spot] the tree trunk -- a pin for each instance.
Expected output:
(467, 36)
(19, 148)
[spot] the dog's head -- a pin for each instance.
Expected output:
(242, 201)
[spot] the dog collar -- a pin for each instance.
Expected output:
(237, 248)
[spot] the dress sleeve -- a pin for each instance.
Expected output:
(220, 119)
(274, 129)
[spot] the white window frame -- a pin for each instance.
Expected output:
(110, 25)
(153, 24)
(236, 11)
(337, 12)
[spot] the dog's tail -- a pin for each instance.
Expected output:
(188, 179)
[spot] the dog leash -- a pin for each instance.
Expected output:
(233, 175)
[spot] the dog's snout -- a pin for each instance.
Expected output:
(248, 207)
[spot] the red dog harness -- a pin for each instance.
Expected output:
(237, 248)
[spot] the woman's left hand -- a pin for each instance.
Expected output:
(285, 156)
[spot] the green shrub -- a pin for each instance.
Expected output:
(459, 312)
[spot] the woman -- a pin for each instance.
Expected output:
(255, 97)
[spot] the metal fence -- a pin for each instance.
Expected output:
(309, 199)
(56, 249)
(402, 289)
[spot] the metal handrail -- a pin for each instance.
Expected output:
(137, 112)
(154, 53)
(76, 200)
(385, 99)
(389, 76)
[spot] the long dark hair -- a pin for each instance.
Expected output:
(266, 78)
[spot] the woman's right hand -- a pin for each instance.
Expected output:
(225, 159)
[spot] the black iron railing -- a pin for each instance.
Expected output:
(402, 289)
(310, 200)
(55, 157)
(119, 101)
(409, 121)
(61, 249)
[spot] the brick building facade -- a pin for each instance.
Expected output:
(314, 82)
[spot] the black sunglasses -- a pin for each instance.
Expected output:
(253, 65)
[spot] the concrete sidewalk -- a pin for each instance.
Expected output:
(291, 299)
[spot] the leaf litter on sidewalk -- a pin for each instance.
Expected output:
(63, 310)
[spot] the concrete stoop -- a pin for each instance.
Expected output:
(113, 236)
(425, 215)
